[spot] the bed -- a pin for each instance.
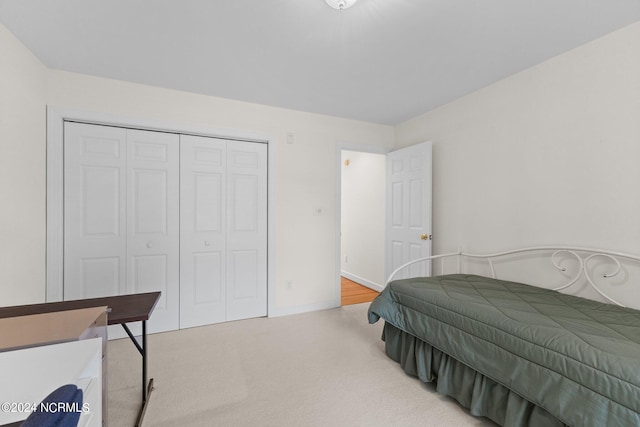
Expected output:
(518, 354)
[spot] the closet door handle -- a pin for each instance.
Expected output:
(207, 243)
(149, 244)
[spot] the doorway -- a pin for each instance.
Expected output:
(362, 219)
(384, 213)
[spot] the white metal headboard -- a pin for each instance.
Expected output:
(584, 257)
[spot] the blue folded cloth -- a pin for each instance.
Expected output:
(61, 408)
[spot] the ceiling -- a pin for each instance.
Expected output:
(381, 61)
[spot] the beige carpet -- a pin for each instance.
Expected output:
(325, 368)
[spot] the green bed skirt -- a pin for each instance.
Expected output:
(481, 395)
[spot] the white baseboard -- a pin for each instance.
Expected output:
(362, 281)
(303, 308)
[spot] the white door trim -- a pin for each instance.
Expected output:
(55, 184)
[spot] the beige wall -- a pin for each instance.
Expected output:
(546, 156)
(22, 173)
(549, 155)
(305, 171)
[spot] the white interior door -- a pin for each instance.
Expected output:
(121, 216)
(153, 229)
(203, 230)
(409, 209)
(95, 233)
(246, 230)
(223, 246)
(153, 211)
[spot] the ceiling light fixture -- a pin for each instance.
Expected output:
(341, 4)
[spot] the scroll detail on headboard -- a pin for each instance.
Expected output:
(573, 262)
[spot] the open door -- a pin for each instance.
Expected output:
(408, 215)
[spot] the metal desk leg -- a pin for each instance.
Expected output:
(144, 360)
(146, 389)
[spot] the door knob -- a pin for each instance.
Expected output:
(425, 237)
(207, 243)
(149, 244)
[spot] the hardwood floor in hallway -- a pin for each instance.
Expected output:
(354, 293)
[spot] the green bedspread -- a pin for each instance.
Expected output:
(576, 358)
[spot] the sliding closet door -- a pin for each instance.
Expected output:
(121, 214)
(203, 235)
(246, 230)
(153, 233)
(95, 232)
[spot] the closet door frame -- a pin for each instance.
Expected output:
(55, 185)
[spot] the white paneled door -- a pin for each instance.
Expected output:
(155, 211)
(153, 228)
(121, 209)
(202, 223)
(409, 209)
(224, 230)
(246, 230)
(94, 211)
